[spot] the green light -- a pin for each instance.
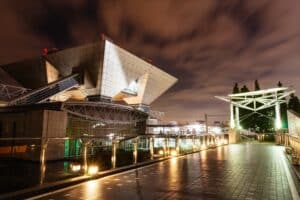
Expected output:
(67, 148)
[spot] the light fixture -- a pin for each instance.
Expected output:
(92, 170)
(173, 153)
(161, 152)
(75, 167)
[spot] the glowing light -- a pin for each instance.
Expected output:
(173, 153)
(203, 146)
(278, 123)
(110, 136)
(176, 129)
(161, 152)
(75, 168)
(216, 130)
(92, 170)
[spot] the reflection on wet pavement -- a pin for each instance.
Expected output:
(243, 171)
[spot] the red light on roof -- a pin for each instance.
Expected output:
(45, 51)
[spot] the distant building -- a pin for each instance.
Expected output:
(183, 129)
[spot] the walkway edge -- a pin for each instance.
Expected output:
(48, 187)
(296, 174)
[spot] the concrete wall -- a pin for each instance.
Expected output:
(234, 136)
(34, 124)
(24, 124)
(293, 123)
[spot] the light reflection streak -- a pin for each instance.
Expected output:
(174, 175)
(92, 189)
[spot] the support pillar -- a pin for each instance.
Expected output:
(151, 146)
(193, 141)
(277, 116)
(232, 125)
(177, 145)
(44, 144)
(206, 123)
(207, 140)
(114, 154)
(85, 150)
(165, 147)
(222, 139)
(237, 117)
(135, 150)
(168, 145)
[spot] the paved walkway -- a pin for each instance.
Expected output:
(244, 171)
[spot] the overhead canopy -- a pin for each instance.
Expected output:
(259, 92)
(258, 100)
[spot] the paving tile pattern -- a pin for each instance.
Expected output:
(242, 171)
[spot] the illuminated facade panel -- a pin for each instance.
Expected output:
(121, 68)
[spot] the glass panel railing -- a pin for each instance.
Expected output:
(45, 160)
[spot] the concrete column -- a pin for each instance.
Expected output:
(277, 116)
(232, 124)
(237, 117)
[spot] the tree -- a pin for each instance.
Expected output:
(236, 88)
(279, 84)
(256, 85)
(294, 103)
(244, 89)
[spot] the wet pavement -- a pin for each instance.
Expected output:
(242, 171)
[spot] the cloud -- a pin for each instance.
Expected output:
(207, 44)
(17, 40)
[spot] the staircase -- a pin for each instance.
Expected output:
(44, 93)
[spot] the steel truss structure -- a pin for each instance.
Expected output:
(108, 113)
(9, 92)
(156, 114)
(256, 101)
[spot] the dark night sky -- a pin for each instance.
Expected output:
(207, 44)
